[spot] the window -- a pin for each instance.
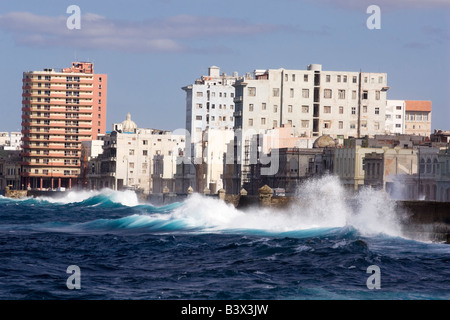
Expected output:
(327, 93)
(344, 78)
(398, 125)
(305, 78)
(327, 109)
(365, 95)
(377, 110)
(380, 79)
(365, 79)
(398, 107)
(131, 152)
(290, 108)
(275, 124)
(377, 95)
(199, 94)
(250, 122)
(341, 124)
(250, 107)
(305, 93)
(286, 77)
(363, 124)
(276, 92)
(341, 110)
(275, 108)
(145, 152)
(398, 116)
(131, 165)
(291, 92)
(198, 117)
(355, 79)
(327, 78)
(199, 106)
(251, 91)
(376, 125)
(263, 120)
(338, 78)
(305, 123)
(341, 94)
(364, 109)
(353, 110)
(305, 109)
(352, 126)
(327, 124)
(354, 94)
(290, 123)
(293, 77)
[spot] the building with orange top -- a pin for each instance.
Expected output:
(418, 117)
(60, 109)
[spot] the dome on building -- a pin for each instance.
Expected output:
(129, 125)
(324, 142)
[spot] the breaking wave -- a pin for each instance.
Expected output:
(322, 207)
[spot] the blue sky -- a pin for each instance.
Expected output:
(150, 49)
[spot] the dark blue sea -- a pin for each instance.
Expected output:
(204, 249)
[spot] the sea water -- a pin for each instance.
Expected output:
(203, 248)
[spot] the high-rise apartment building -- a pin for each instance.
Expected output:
(209, 105)
(60, 109)
(313, 102)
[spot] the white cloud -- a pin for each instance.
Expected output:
(99, 32)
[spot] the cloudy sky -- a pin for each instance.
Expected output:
(150, 49)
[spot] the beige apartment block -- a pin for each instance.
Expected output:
(132, 157)
(418, 117)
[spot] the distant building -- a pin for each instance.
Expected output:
(134, 158)
(313, 102)
(10, 169)
(60, 109)
(10, 141)
(395, 117)
(418, 117)
(355, 171)
(209, 105)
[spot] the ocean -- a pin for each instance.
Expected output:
(108, 245)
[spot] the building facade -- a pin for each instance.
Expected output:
(133, 157)
(209, 105)
(418, 117)
(395, 117)
(60, 109)
(313, 102)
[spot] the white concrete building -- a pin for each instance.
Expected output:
(129, 155)
(207, 171)
(314, 102)
(395, 117)
(209, 104)
(10, 141)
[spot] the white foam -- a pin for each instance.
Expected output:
(322, 204)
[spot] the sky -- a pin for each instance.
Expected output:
(150, 49)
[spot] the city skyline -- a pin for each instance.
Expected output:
(173, 43)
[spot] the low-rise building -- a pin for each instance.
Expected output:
(10, 169)
(129, 155)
